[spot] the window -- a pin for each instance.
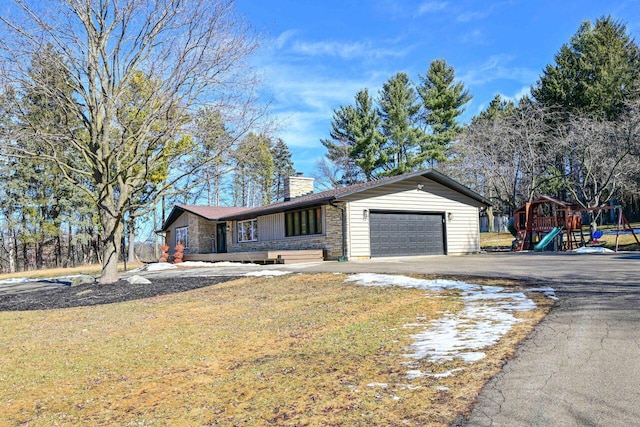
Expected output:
(303, 223)
(248, 230)
(182, 236)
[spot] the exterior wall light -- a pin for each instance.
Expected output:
(420, 187)
(449, 216)
(365, 214)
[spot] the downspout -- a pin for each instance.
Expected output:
(343, 216)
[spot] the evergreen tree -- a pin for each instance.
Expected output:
(254, 171)
(399, 111)
(355, 140)
(214, 145)
(496, 109)
(596, 72)
(443, 100)
(282, 168)
(367, 136)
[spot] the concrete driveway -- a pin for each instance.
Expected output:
(581, 365)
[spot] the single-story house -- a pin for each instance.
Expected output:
(418, 213)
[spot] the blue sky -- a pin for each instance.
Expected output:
(316, 55)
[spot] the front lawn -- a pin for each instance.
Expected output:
(290, 350)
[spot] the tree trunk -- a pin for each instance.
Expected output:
(39, 249)
(12, 252)
(112, 234)
(70, 252)
(490, 219)
(132, 236)
(25, 257)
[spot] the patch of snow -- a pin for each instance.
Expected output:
(414, 373)
(197, 264)
(488, 314)
(233, 264)
(382, 385)
(442, 388)
(472, 356)
(586, 250)
(444, 374)
(627, 231)
(266, 273)
(159, 266)
(408, 386)
(16, 280)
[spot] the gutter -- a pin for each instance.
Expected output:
(343, 258)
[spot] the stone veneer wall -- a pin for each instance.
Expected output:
(296, 186)
(200, 233)
(330, 241)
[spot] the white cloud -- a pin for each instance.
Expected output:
(475, 37)
(280, 41)
(347, 50)
(495, 68)
(470, 15)
(431, 6)
(524, 91)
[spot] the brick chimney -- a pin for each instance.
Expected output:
(297, 185)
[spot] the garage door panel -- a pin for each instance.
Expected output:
(400, 234)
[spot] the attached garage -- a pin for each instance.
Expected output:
(402, 234)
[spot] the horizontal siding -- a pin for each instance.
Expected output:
(462, 231)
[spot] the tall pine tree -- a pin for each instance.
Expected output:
(282, 168)
(443, 100)
(399, 109)
(355, 140)
(597, 72)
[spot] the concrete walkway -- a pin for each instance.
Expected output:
(581, 366)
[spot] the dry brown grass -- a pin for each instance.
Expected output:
(626, 242)
(495, 239)
(90, 269)
(292, 350)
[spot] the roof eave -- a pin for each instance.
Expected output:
(276, 209)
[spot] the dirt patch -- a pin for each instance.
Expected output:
(97, 294)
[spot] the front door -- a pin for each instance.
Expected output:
(221, 238)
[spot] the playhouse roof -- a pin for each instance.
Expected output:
(545, 199)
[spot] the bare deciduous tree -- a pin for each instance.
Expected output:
(600, 157)
(507, 158)
(188, 53)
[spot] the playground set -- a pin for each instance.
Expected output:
(547, 223)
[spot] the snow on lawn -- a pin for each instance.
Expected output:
(159, 266)
(595, 250)
(486, 317)
(216, 264)
(16, 280)
(267, 273)
(233, 264)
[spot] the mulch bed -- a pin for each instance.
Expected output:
(96, 294)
